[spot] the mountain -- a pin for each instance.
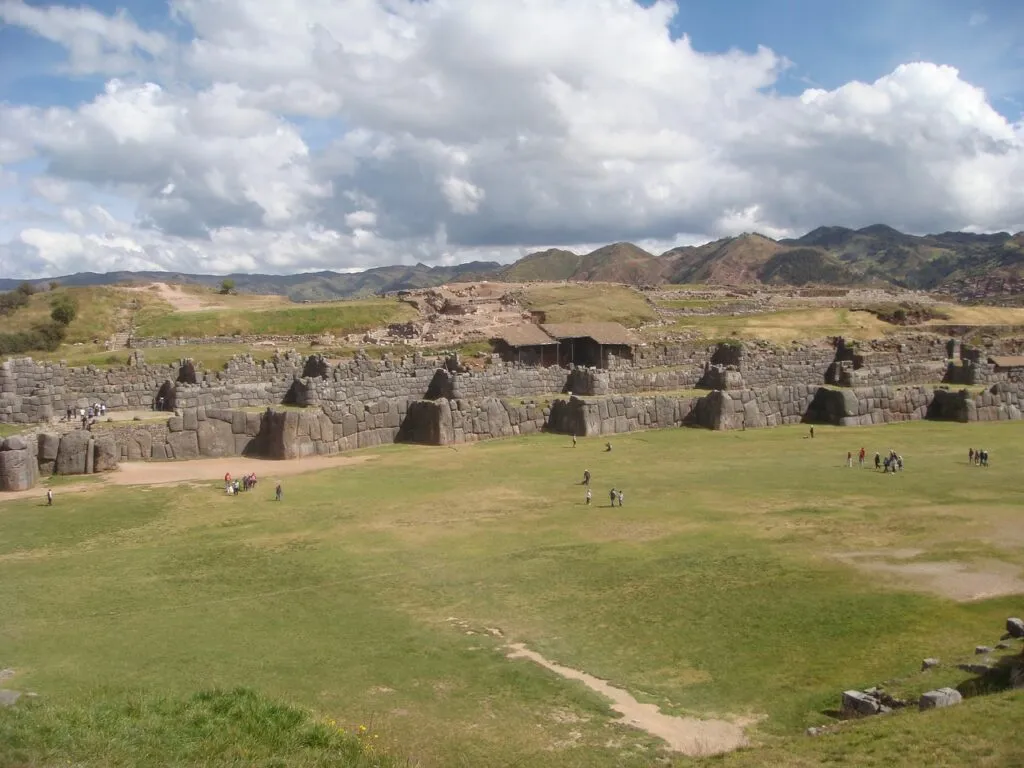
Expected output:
(615, 263)
(306, 286)
(552, 264)
(730, 261)
(963, 264)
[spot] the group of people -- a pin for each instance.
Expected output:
(237, 485)
(977, 457)
(613, 495)
(87, 415)
(891, 463)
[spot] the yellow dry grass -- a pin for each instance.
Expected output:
(791, 325)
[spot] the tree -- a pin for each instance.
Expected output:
(26, 289)
(63, 310)
(227, 286)
(54, 285)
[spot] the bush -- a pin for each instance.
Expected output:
(45, 337)
(64, 310)
(227, 286)
(12, 301)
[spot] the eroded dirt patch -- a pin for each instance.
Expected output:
(689, 735)
(963, 582)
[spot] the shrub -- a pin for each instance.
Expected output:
(43, 337)
(64, 310)
(12, 301)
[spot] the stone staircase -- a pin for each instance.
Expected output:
(118, 341)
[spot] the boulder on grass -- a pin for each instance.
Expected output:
(858, 703)
(18, 471)
(943, 697)
(1015, 627)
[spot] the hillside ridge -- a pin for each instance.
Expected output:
(963, 264)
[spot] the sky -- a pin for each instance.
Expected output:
(220, 136)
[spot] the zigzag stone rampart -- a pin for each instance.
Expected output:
(362, 403)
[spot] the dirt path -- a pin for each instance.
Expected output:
(688, 735)
(176, 297)
(164, 473)
(963, 582)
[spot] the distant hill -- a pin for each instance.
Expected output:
(615, 263)
(306, 286)
(961, 263)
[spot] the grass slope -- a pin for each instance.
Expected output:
(787, 325)
(714, 591)
(589, 302)
(338, 317)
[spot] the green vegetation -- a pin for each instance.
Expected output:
(210, 728)
(12, 301)
(579, 303)
(6, 430)
(340, 318)
(97, 311)
(227, 287)
(717, 590)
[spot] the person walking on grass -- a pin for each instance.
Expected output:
(863, 453)
(574, 441)
(49, 497)
(970, 455)
(277, 492)
(611, 495)
(620, 498)
(878, 461)
(849, 459)
(586, 477)
(588, 497)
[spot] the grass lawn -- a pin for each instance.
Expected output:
(589, 302)
(750, 574)
(340, 317)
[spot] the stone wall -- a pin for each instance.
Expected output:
(447, 422)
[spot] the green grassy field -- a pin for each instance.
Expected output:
(340, 317)
(750, 574)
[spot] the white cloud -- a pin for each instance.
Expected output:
(977, 19)
(95, 43)
(476, 130)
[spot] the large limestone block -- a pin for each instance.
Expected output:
(73, 453)
(105, 454)
(215, 438)
(183, 445)
(139, 445)
(17, 469)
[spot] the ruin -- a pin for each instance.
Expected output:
(357, 403)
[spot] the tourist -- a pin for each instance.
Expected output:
(586, 477)
(277, 492)
(620, 498)
(238, 486)
(812, 433)
(49, 497)
(574, 441)
(611, 495)
(863, 453)
(607, 447)
(849, 459)
(878, 461)
(970, 455)
(588, 497)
